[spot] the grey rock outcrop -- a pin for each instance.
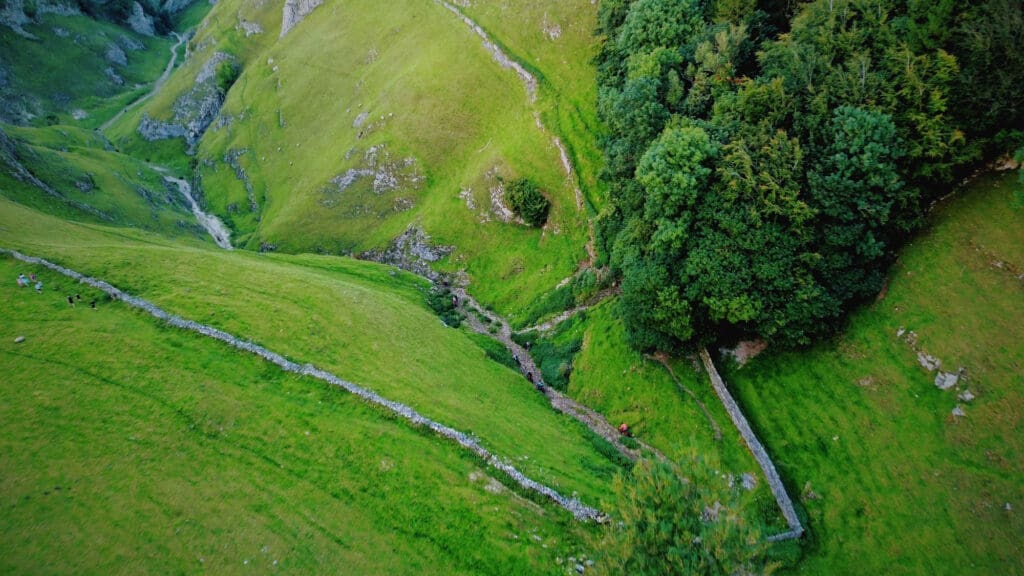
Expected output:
(295, 11)
(12, 15)
(386, 174)
(175, 6)
(928, 362)
(250, 28)
(411, 251)
(946, 380)
(115, 55)
(139, 21)
(113, 76)
(129, 43)
(194, 110)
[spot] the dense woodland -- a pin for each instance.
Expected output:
(766, 159)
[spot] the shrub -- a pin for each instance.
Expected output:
(440, 301)
(227, 73)
(527, 201)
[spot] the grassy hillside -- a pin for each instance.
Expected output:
(891, 481)
(126, 446)
(78, 71)
(555, 40)
(405, 91)
(93, 182)
(352, 318)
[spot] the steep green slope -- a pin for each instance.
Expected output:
(74, 174)
(77, 71)
(555, 40)
(891, 480)
(126, 446)
(365, 119)
(362, 321)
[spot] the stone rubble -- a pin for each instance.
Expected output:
(946, 380)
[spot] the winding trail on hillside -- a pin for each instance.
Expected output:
(559, 401)
(778, 489)
(579, 510)
(156, 85)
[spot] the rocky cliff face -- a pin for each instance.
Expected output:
(139, 21)
(295, 11)
(194, 110)
(12, 13)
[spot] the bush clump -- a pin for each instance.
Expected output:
(442, 302)
(527, 201)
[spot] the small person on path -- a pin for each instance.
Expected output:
(71, 301)
(32, 276)
(92, 304)
(78, 296)
(22, 281)
(39, 287)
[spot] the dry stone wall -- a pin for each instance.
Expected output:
(778, 489)
(579, 510)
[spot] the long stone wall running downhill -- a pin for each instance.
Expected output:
(796, 529)
(579, 510)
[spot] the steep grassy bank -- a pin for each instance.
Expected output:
(891, 480)
(352, 318)
(127, 446)
(84, 179)
(363, 120)
(78, 71)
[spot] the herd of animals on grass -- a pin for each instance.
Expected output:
(796, 181)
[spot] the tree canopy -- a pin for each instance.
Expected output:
(766, 159)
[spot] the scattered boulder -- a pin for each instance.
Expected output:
(946, 380)
(114, 77)
(712, 512)
(250, 28)
(958, 412)
(115, 55)
(130, 44)
(965, 396)
(1007, 507)
(748, 481)
(295, 11)
(929, 362)
(19, 339)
